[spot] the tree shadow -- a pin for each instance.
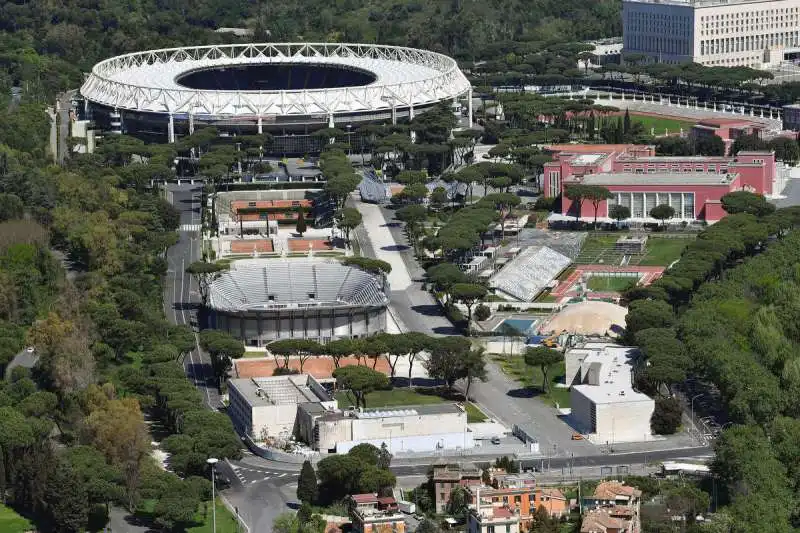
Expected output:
(396, 248)
(428, 310)
(525, 392)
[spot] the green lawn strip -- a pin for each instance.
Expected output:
(474, 414)
(226, 521)
(531, 377)
(661, 124)
(11, 522)
(662, 251)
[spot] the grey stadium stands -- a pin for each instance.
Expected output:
(260, 301)
(525, 276)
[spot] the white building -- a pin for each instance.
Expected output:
(723, 33)
(604, 403)
(266, 408)
(420, 428)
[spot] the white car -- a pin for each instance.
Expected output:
(30, 349)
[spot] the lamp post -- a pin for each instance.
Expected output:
(692, 420)
(212, 461)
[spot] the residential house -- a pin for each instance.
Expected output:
(448, 476)
(372, 514)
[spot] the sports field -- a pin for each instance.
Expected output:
(602, 283)
(598, 248)
(661, 125)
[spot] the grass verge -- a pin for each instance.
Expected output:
(203, 518)
(531, 378)
(11, 522)
(662, 125)
(399, 397)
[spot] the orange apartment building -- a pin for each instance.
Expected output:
(372, 514)
(519, 494)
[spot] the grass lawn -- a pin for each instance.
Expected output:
(531, 377)
(659, 251)
(661, 124)
(226, 522)
(399, 397)
(11, 522)
(610, 283)
(546, 297)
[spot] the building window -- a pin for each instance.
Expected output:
(489, 529)
(251, 204)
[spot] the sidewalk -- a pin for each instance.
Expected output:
(384, 245)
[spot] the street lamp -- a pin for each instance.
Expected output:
(212, 461)
(694, 428)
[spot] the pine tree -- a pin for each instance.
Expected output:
(307, 484)
(301, 226)
(66, 500)
(626, 123)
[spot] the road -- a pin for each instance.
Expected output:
(24, 359)
(181, 298)
(258, 487)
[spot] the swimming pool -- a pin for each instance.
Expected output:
(516, 326)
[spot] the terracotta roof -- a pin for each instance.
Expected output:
(599, 521)
(502, 512)
(610, 490)
(263, 204)
(363, 498)
(553, 493)
(387, 500)
(249, 245)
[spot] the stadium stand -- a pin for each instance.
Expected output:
(525, 276)
(372, 189)
(263, 285)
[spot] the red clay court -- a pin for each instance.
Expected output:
(319, 367)
(301, 245)
(648, 274)
(250, 245)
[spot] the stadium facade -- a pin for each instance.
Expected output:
(286, 89)
(260, 301)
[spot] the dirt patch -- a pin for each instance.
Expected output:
(302, 245)
(320, 367)
(251, 245)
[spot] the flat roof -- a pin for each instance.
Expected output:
(673, 159)
(399, 411)
(279, 390)
(615, 367)
(587, 159)
(659, 178)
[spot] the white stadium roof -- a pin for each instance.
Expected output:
(530, 272)
(146, 81)
(272, 284)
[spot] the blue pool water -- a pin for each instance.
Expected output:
(522, 325)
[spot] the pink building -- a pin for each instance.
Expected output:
(640, 180)
(728, 129)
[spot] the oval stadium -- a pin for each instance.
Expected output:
(263, 300)
(281, 88)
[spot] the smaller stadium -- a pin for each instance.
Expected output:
(264, 300)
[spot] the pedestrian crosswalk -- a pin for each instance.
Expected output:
(248, 476)
(190, 227)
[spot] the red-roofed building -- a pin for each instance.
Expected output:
(640, 180)
(487, 518)
(371, 514)
(613, 508)
(447, 477)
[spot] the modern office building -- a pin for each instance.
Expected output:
(267, 408)
(725, 33)
(640, 180)
(605, 405)
(413, 428)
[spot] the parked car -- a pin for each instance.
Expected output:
(495, 440)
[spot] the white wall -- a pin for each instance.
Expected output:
(417, 443)
(624, 421)
(275, 419)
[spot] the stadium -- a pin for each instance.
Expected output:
(260, 301)
(288, 89)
